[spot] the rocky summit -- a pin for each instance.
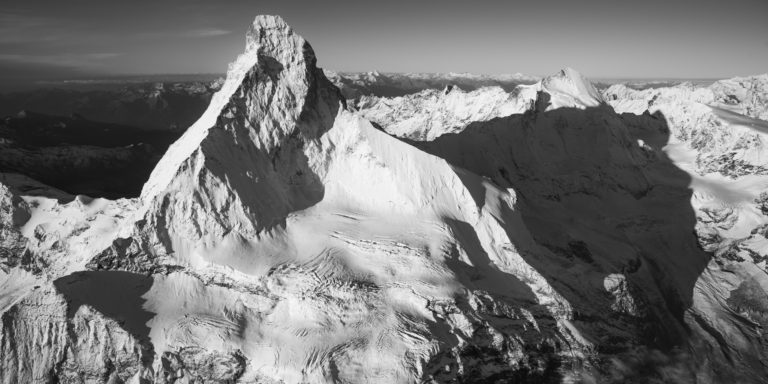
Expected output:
(551, 233)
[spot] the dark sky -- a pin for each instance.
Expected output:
(602, 38)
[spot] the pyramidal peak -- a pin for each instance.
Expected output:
(243, 161)
(266, 88)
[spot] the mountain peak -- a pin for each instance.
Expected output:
(572, 89)
(569, 72)
(271, 36)
(273, 90)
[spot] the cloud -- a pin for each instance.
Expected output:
(19, 29)
(192, 33)
(71, 60)
(206, 32)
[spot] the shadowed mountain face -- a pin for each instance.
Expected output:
(115, 294)
(611, 216)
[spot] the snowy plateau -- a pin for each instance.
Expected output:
(305, 231)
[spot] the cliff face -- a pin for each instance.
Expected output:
(284, 237)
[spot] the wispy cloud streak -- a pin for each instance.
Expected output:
(72, 60)
(207, 32)
(192, 33)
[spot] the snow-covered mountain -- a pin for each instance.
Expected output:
(445, 236)
(724, 123)
(353, 85)
(431, 113)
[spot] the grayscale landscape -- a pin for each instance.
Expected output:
(283, 222)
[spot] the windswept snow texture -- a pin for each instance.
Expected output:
(534, 235)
